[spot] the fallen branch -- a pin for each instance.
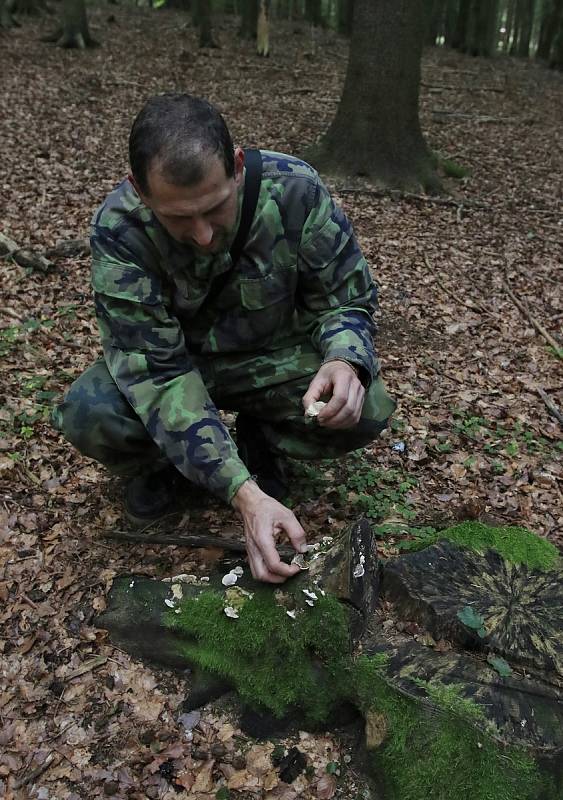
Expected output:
(453, 87)
(299, 90)
(394, 194)
(35, 773)
(186, 540)
(525, 311)
(472, 117)
(42, 262)
(551, 407)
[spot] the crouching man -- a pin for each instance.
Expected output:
(223, 279)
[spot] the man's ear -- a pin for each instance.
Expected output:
(239, 165)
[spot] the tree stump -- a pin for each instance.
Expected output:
(460, 685)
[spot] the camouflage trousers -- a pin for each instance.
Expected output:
(95, 417)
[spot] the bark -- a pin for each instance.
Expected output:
(345, 16)
(313, 11)
(263, 29)
(74, 32)
(450, 19)
(201, 16)
(376, 131)
(509, 25)
(435, 26)
(7, 19)
(552, 21)
(523, 28)
(248, 19)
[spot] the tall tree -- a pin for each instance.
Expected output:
(345, 11)
(263, 29)
(376, 131)
(201, 17)
(7, 19)
(524, 20)
(551, 22)
(248, 18)
(74, 31)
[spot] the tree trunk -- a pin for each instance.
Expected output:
(459, 39)
(483, 34)
(248, 19)
(376, 131)
(263, 29)
(74, 32)
(201, 17)
(552, 19)
(522, 28)
(450, 23)
(313, 11)
(556, 58)
(435, 26)
(527, 20)
(509, 25)
(344, 16)
(7, 19)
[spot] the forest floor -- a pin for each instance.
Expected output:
(472, 436)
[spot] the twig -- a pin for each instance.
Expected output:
(299, 90)
(35, 773)
(468, 304)
(551, 407)
(394, 194)
(519, 305)
(464, 88)
(473, 117)
(88, 666)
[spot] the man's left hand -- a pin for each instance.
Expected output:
(337, 380)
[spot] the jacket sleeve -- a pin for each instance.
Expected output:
(146, 355)
(336, 292)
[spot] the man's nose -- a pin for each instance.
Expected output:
(201, 231)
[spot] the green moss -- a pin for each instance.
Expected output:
(441, 754)
(452, 169)
(274, 662)
(517, 545)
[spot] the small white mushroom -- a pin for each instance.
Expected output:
(132, 584)
(291, 614)
(314, 409)
(299, 559)
(177, 590)
(309, 594)
(229, 579)
(309, 602)
(359, 571)
(238, 571)
(231, 612)
(169, 602)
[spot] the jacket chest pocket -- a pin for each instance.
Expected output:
(268, 302)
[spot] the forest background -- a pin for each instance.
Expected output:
(469, 332)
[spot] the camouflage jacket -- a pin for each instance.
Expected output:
(301, 275)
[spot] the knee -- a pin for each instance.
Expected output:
(86, 414)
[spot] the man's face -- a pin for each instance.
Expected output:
(202, 216)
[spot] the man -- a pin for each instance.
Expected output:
(186, 331)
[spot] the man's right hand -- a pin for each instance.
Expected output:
(263, 517)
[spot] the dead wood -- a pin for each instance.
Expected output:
(527, 313)
(395, 194)
(551, 407)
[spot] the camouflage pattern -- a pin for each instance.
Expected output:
(179, 327)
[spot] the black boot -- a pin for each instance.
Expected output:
(151, 495)
(266, 468)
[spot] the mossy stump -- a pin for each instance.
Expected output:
(452, 654)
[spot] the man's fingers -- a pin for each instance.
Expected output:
(317, 388)
(346, 414)
(295, 533)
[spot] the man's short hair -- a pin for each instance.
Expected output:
(181, 132)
